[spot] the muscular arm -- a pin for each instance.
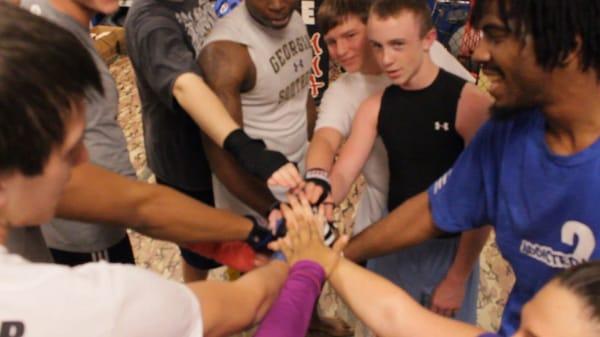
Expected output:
(249, 297)
(355, 151)
(311, 116)
(389, 310)
(228, 70)
(407, 225)
(96, 195)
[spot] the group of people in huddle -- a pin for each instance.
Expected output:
(241, 153)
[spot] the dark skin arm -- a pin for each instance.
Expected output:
(229, 71)
(412, 219)
(94, 194)
(311, 116)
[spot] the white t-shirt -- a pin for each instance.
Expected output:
(338, 108)
(95, 299)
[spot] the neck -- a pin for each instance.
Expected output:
(573, 112)
(424, 76)
(73, 9)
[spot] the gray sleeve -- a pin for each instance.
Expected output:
(161, 54)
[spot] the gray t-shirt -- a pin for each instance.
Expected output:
(104, 140)
(163, 41)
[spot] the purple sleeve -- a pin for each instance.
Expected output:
(290, 314)
(490, 334)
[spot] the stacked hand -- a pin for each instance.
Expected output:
(304, 239)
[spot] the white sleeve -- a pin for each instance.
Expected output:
(143, 303)
(442, 57)
(336, 109)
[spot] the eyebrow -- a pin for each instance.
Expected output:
(492, 27)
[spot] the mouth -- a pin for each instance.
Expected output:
(394, 73)
(278, 22)
(495, 76)
(347, 61)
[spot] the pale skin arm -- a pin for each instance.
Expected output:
(94, 194)
(205, 108)
(229, 71)
(355, 152)
(250, 297)
(383, 307)
(321, 154)
(472, 112)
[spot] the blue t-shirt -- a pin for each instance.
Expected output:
(545, 208)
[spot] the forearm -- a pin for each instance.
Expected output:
(169, 215)
(291, 313)
(387, 309)
(407, 225)
(340, 184)
(321, 154)
(250, 297)
(94, 194)
(205, 108)
(470, 245)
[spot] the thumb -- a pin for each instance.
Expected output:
(340, 244)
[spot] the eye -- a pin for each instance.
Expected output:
(375, 45)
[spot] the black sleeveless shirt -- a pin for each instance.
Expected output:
(417, 128)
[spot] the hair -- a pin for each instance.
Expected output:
(391, 8)
(584, 281)
(333, 13)
(44, 71)
(558, 28)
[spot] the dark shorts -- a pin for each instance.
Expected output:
(193, 259)
(121, 252)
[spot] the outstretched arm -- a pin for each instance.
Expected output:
(355, 151)
(94, 194)
(229, 71)
(383, 307)
(229, 307)
(407, 225)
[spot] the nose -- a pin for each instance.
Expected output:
(481, 54)
(386, 57)
(342, 48)
(276, 5)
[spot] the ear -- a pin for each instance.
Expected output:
(429, 39)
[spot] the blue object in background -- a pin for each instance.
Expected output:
(222, 7)
(448, 16)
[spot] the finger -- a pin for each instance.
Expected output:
(294, 174)
(313, 192)
(290, 217)
(286, 175)
(340, 244)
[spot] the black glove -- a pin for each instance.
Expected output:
(319, 177)
(253, 155)
(260, 236)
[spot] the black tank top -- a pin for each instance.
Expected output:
(417, 128)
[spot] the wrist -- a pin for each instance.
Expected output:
(457, 275)
(319, 177)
